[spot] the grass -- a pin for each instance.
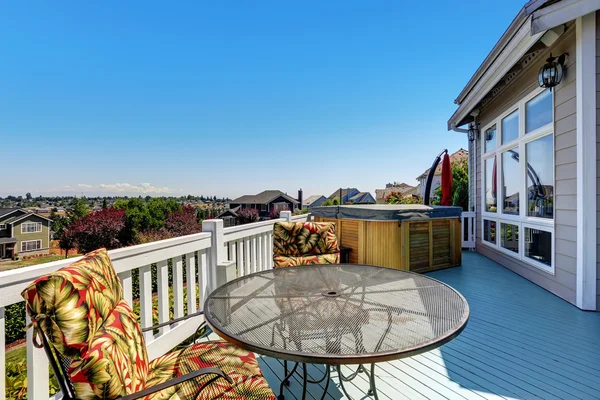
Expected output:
(5, 266)
(17, 353)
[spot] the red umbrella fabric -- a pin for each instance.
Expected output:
(446, 181)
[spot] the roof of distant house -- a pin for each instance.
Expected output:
(403, 188)
(264, 197)
(309, 200)
(360, 196)
(458, 155)
(5, 211)
(344, 193)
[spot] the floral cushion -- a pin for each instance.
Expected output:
(72, 303)
(284, 261)
(116, 363)
(304, 238)
(238, 364)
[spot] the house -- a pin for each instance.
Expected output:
(530, 114)
(229, 216)
(266, 201)
(23, 233)
(403, 188)
(313, 201)
(352, 196)
(457, 156)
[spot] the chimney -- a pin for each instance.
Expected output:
(300, 198)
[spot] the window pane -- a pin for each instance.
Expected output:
(538, 111)
(511, 181)
(490, 139)
(509, 237)
(489, 231)
(538, 245)
(540, 177)
(510, 127)
(490, 184)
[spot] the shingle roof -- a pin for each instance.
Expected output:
(4, 211)
(309, 200)
(459, 155)
(8, 240)
(263, 197)
(344, 193)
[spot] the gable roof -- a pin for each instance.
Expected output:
(20, 217)
(309, 200)
(7, 211)
(344, 193)
(361, 197)
(457, 156)
(263, 197)
(231, 211)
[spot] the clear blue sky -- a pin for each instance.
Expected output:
(233, 97)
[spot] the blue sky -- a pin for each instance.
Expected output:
(233, 97)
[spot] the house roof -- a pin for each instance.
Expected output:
(232, 211)
(7, 240)
(344, 193)
(403, 188)
(309, 200)
(20, 217)
(458, 155)
(6, 211)
(514, 43)
(264, 197)
(360, 196)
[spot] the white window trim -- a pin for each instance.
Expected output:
(40, 224)
(24, 242)
(521, 220)
(2, 227)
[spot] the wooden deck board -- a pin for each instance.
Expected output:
(521, 342)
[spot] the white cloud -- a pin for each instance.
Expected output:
(84, 186)
(145, 188)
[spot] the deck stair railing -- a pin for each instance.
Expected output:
(208, 259)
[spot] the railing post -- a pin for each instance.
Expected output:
(38, 379)
(287, 215)
(217, 250)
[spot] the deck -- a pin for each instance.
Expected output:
(521, 342)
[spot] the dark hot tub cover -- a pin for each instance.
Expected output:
(387, 212)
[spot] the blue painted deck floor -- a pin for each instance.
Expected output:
(521, 342)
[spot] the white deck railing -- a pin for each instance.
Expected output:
(218, 253)
(468, 227)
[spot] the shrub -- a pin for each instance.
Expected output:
(248, 215)
(275, 213)
(399, 198)
(301, 211)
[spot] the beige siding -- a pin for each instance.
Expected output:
(43, 235)
(598, 160)
(563, 282)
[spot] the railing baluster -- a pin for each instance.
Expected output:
(162, 270)
(259, 253)
(190, 273)
(2, 354)
(247, 256)
(239, 258)
(146, 300)
(270, 250)
(127, 284)
(254, 255)
(178, 287)
(38, 379)
(265, 252)
(203, 258)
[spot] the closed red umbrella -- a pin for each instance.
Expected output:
(446, 181)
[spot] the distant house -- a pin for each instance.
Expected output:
(229, 216)
(403, 188)
(23, 233)
(460, 155)
(313, 201)
(266, 201)
(352, 195)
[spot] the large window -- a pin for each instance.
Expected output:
(31, 245)
(31, 227)
(518, 181)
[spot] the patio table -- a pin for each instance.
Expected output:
(336, 315)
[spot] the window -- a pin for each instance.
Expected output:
(509, 237)
(2, 227)
(489, 231)
(510, 181)
(31, 245)
(510, 127)
(518, 181)
(31, 227)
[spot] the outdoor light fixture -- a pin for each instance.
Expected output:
(551, 73)
(473, 131)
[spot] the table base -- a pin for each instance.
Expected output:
(326, 377)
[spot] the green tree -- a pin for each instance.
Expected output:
(79, 208)
(104, 204)
(332, 202)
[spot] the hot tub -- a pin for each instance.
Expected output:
(409, 237)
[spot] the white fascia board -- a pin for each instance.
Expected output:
(585, 66)
(512, 53)
(561, 13)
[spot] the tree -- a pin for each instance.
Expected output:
(103, 228)
(67, 241)
(104, 205)
(28, 196)
(460, 186)
(79, 208)
(182, 222)
(399, 198)
(248, 215)
(332, 202)
(158, 209)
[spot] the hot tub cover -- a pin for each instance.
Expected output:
(387, 212)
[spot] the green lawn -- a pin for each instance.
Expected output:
(5, 266)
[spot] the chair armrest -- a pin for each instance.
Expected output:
(177, 381)
(173, 321)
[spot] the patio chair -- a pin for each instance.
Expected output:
(96, 348)
(304, 243)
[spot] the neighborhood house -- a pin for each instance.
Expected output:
(23, 233)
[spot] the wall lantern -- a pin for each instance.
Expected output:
(473, 131)
(551, 73)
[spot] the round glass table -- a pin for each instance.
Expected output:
(336, 315)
